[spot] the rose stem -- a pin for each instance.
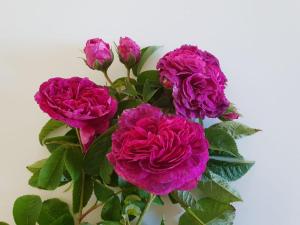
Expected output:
(128, 74)
(77, 220)
(79, 138)
(107, 77)
(96, 206)
(151, 198)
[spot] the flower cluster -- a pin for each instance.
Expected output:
(157, 152)
(141, 136)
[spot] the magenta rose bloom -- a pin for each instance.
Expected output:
(129, 52)
(158, 153)
(79, 103)
(98, 54)
(197, 80)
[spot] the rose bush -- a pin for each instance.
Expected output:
(159, 153)
(79, 103)
(128, 157)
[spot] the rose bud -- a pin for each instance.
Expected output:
(129, 52)
(230, 114)
(98, 54)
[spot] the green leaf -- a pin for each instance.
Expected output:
(149, 90)
(158, 201)
(27, 209)
(220, 141)
(34, 179)
(127, 104)
(82, 192)
(106, 169)
(36, 166)
(165, 101)
(97, 154)
(55, 142)
(66, 219)
(132, 210)
(211, 213)
(71, 132)
(74, 162)
(54, 211)
(229, 168)
(129, 89)
(49, 127)
(184, 198)
(51, 173)
(119, 84)
(112, 210)
(163, 221)
(151, 75)
(121, 88)
(146, 53)
(102, 192)
(235, 129)
(216, 187)
(132, 199)
(109, 223)
(3, 223)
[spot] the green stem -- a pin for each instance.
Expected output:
(151, 198)
(96, 205)
(128, 74)
(81, 197)
(78, 219)
(107, 78)
(79, 138)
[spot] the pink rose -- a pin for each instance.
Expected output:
(129, 52)
(79, 103)
(197, 80)
(158, 153)
(199, 95)
(98, 54)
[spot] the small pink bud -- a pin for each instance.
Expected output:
(98, 54)
(129, 52)
(230, 114)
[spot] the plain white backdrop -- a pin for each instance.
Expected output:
(256, 41)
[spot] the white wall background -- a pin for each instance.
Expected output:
(257, 42)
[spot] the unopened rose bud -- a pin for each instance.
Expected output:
(230, 114)
(98, 54)
(129, 52)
